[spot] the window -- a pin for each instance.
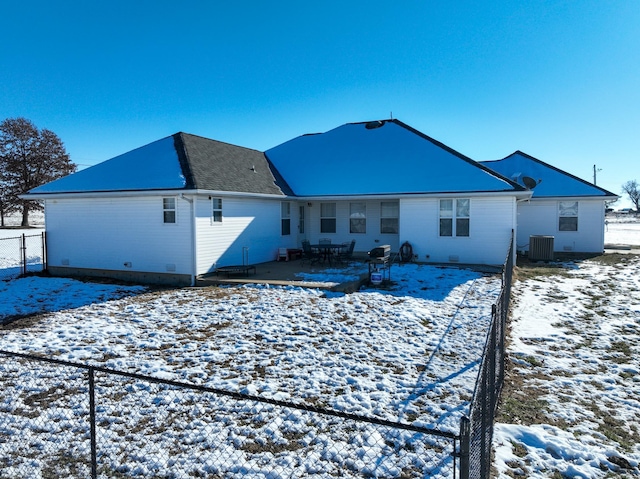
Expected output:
(357, 218)
(389, 213)
(301, 219)
(568, 216)
(285, 215)
(216, 210)
(327, 217)
(169, 210)
(454, 222)
(462, 217)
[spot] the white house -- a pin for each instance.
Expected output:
(185, 205)
(165, 212)
(384, 182)
(569, 210)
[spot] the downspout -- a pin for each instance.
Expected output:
(193, 237)
(514, 230)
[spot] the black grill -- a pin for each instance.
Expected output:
(380, 252)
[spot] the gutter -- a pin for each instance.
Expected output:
(520, 195)
(142, 193)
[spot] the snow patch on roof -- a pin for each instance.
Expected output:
(551, 181)
(151, 167)
(390, 159)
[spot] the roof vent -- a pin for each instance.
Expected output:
(372, 125)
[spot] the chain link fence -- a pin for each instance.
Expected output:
(22, 254)
(476, 431)
(64, 419)
(61, 418)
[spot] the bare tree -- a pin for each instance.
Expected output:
(632, 190)
(29, 157)
(7, 203)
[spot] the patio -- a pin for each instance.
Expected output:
(344, 278)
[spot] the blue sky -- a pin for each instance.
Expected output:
(559, 80)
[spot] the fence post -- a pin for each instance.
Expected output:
(465, 439)
(44, 251)
(92, 419)
(23, 247)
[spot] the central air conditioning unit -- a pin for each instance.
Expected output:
(541, 248)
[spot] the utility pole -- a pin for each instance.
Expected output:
(594, 173)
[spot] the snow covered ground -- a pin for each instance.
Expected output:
(10, 245)
(570, 406)
(571, 403)
(406, 354)
(622, 230)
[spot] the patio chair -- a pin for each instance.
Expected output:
(324, 241)
(308, 254)
(346, 255)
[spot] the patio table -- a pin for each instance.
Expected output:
(327, 250)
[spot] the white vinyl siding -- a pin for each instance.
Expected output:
(493, 220)
(364, 241)
(107, 233)
(250, 225)
(541, 217)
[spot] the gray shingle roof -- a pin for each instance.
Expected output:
(178, 162)
(214, 165)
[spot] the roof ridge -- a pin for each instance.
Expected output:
(558, 170)
(184, 160)
(218, 141)
(459, 155)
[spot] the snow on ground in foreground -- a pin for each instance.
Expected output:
(409, 354)
(575, 351)
(394, 348)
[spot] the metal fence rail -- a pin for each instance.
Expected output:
(60, 418)
(22, 254)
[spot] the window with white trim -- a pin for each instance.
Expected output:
(327, 217)
(301, 216)
(169, 210)
(454, 217)
(285, 218)
(216, 210)
(389, 214)
(567, 216)
(358, 217)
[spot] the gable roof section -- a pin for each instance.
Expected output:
(216, 166)
(178, 162)
(383, 157)
(552, 182)
(151, 167)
